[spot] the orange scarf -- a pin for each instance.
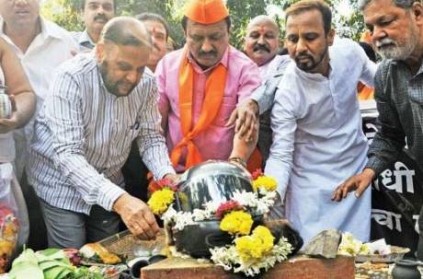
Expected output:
(365, 93)
(215, 86)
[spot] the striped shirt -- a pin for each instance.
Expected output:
(83, 136)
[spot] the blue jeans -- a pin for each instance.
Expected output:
(68, 229)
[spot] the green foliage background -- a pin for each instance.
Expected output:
(67, 13)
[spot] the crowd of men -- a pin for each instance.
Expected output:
(95, 111)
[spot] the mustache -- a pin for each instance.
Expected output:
(301, 56)
(100, 16)
(384, 41)
(258, 47)
(209, 53)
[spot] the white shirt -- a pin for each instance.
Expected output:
(318, 142)
(7, 146)
(268, 70)
(83, 135)
(48, 50)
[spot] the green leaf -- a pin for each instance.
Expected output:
(26, 272)
(27, 256)
(57, 272)
(49, 264)
(26, 266)
(50, 255)
(49, 251)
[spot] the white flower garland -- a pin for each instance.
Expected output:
(257, 203)
(229, 259)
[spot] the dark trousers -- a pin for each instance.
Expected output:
(37, 239)
(420, 243)
(135, 174)
(72, 229)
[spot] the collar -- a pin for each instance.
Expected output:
(85, 40)
(401, 63)
(48, 29)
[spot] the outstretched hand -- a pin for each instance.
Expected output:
(357, 183)
(137, 216)
(245, 117)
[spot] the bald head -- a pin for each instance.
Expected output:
(263, 20)
(122, 54)
(125, 31)
(262, 39)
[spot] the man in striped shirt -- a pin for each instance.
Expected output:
(99, 103)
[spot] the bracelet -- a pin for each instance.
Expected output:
(239, 161)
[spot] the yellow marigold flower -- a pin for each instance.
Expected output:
(266, 182)
(255, 246)
(160, 200)
(237, 222)
(247, 248)
(265, 236)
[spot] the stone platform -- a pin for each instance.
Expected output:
(299, 267)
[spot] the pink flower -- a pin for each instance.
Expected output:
(160, 184)
(227, 207)
(257, 173)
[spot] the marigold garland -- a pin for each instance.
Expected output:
(227, 207)
(250, 252)
(256, 245)
(157, 185)
(265, 182)
(160, 200)
(237, 223)
(230, 259)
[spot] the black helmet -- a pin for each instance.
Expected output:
(215, 181)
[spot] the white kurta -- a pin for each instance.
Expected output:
(268, 70)
(318, 143)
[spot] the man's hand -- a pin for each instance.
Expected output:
(358, 182)
(10, 124)
(174, 178)
(243, 147)
(137, 216)
(245, 118)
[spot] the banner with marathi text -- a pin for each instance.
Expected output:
(396, 196)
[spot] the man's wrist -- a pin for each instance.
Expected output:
(174, 178)
(238, 160)
(117, 205)
(253, 104)
(369, 172)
